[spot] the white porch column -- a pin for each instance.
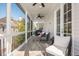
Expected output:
(8, 29)
(26, 27)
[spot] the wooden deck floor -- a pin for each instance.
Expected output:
(34, 47)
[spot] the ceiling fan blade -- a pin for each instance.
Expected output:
(34, 4)
(42, 4)
(39, 16)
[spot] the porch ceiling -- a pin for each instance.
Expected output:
(33, 11)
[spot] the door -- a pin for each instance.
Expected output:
(63, 18)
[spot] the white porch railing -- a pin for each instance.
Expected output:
(2, 45)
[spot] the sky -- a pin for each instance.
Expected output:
(2, 10)
(16, 12)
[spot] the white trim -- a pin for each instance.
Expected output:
(62, 20)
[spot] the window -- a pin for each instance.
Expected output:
(17, 25)
(58, 22)
(67, 19)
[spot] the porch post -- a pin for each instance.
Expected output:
(8, 31)
(26, 26)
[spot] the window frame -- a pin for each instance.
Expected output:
(58, 22)
(67, 19)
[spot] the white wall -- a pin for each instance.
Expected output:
(49, 25)
(75, 28)
(50, 22)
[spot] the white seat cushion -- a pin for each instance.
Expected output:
(55, 51)
(59, 47)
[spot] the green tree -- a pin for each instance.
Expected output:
(21, 25)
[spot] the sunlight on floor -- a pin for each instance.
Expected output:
(35, 53)
(31, 53)
(19, 53)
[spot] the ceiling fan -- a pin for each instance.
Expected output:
(39, 16)
(42, 4)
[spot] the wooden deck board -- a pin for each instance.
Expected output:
(35, 47)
